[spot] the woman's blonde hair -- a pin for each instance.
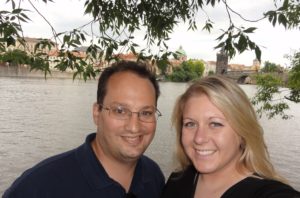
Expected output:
(232, 101)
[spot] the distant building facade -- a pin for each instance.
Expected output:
(30, 44)
(180, 56)
(210, 67)
(241, 67)
(220, 66)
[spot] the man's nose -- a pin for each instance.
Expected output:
(133, 123)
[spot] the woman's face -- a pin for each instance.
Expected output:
(208, 139)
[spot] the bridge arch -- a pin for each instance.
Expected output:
(244, 79)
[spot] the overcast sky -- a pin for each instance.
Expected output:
(66, 15)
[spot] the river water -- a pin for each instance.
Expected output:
(40, 118)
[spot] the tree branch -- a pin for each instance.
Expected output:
(52, 28)
(238, 14)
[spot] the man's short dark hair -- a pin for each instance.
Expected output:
(139, 69)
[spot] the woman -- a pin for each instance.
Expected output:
(220, 146)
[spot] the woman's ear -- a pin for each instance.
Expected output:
(242, 144)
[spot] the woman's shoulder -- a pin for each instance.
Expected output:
(180, 183)
(261, 188)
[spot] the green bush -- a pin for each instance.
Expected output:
(187, 71)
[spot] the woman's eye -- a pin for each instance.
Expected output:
(216, 124)
(189, 124)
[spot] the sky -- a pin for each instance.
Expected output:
(65, 15)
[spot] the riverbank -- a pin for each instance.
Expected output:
(24, 71)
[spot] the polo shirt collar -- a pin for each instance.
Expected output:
(96, 175)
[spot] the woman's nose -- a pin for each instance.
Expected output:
(201, 135)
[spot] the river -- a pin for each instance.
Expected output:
(40, 118)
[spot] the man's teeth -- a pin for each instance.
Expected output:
(132, 139)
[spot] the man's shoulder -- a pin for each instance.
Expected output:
(148, 178)
(147, 160)
(55, 164)
(149, 163)
(52, 163)
(44, 172)
(151, 168)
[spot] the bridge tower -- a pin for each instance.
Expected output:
(222, 62)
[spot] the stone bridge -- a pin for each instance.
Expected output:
(242, 76)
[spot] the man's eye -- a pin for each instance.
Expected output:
(215, 124)
(189, 125)
(119, 110)
(146, 113)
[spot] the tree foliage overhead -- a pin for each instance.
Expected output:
(115, 22)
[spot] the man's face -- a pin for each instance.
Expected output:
(124, 140)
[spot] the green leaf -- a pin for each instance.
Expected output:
(220, 45)
(258, 53)
(282, 20)
(10, 41)
(17, 11)
(242, 43)
(221, 37)
(274, 20)
(250, 30)
(285, 4)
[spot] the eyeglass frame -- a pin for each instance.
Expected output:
(157, 113)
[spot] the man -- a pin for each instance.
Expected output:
(111, 162)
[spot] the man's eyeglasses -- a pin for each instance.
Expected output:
(119, 112)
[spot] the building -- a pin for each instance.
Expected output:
(30, 44)
(241, 67)
(180, 56)
(222, 62)
(210, 66)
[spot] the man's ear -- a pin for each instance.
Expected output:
(96, 112)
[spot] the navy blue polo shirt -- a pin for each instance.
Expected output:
(78, 173)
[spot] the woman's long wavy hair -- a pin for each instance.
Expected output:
(232, 101)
